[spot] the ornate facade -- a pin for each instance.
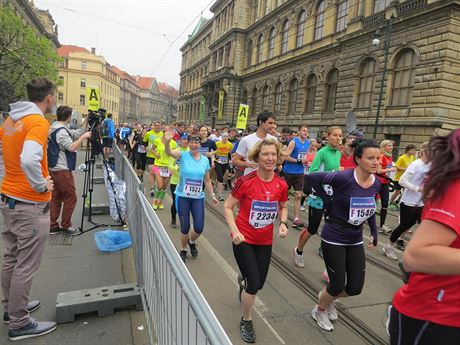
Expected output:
(314, 61)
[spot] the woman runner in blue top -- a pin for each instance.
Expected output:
(194, 169)
(353, 203)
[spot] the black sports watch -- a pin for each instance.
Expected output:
(287, 226)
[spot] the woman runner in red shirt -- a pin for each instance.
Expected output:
(426, 310)
(262, 197)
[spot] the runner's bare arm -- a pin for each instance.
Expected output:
(286, 153)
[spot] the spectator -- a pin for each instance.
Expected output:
(107, 133)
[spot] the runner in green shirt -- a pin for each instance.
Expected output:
(149, 138)
(161, 171)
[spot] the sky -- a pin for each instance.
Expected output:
(133, 35)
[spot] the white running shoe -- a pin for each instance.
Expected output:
(298, 259)
(322, 319)
(384, 229)
(302, 208)
(390, 252)
(331, 309)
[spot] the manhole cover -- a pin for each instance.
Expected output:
(61, 240)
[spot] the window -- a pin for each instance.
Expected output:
(254, 101)
(404, 77)
(366, 83)
(249, 56)
(60, 97)
(271, 43)
(83, 65)
(265, 98)
(310, 94)
(380, 5)
(82, 82)
(285, 36)
(300, 29)
(260, 48)
(292, 103)
(278, 95)
(82, 99)
(320, 19)
(342, 15)
(331, 90)
(62, 63)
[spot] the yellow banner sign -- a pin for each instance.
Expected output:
(93, 95)
(242, 119)
(220, 108)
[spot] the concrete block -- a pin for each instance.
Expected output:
(98, 209)
(98, 180)
(103, 300)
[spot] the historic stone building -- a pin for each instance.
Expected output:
(314, 61)
(129, 96)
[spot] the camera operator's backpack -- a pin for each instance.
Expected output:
(105, 129)
(53, 151)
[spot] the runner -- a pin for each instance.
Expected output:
(411, 201)
(265, 122)
(295, 156)
(427, 309)
(352, 204)
(385, 170)
(194, 171)
(327, 159)
(346, 161)
(139, 151)
(262, 197)
(149, 138)
(224, 147)
(401, 164)
(174, 168)
(207, 146)
(311, 154)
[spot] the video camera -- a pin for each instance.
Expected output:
(95, 118)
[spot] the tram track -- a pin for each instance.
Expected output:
(311, 289)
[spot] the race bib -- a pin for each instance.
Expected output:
(263, 213)
(141, 149)
(390, 173)
(222, 160)
(302, 155)
(306, 169)
(204, 151)
(164, 172)
(361, 208)
(193, 187)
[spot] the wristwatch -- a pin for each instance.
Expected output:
(287, 226)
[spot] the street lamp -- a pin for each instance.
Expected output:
(386, 48)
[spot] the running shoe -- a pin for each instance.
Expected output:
(387, 323)
(56, 230)
(155, 204)
(220, 198)
(384, 229)
(393, 207)
(241, 286)
(183, 255)
(31, 307)
(297, 223)
(173, 224)
(302, 208)
(247, 331)
(322, 319)
(161, 206)
(152, 192)
(320, 252)
(331, 309)
(298, 258)
(400, 245)
(71, 231)
(325, 276)
(193, 249)
(390, 252)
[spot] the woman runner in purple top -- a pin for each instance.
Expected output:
(349, 200)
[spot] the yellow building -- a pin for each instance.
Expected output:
(80, 69)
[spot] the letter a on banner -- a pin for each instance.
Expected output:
(242, 116)
(93, 95)
(220, 108)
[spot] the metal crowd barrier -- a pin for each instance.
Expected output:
(175, 309)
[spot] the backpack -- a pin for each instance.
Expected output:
(53, 151)
(105, 129)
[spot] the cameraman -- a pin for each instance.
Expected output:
(63, 144)
(107, 134)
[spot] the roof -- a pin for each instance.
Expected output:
(198, 27)
(65, 50)
(119, 72)
(145, 82)
(166, 89)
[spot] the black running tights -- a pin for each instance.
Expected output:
(409, 215)
(384, 198)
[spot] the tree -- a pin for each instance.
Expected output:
(23, 56)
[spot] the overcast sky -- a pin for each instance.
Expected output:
(110, 26)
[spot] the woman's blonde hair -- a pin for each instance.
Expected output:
(255, 151)
(385, 143)
(423, 149)
(332, 128)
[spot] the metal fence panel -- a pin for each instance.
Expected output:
(176, 311)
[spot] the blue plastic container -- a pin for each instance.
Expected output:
(112, 240)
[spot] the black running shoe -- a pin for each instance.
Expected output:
(247, 331)
(173, 223)
(400, 245)
(152, 192)
(56, 230)
(241, 286)
(183, 255)
(193, 249)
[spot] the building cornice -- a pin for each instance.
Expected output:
(225, 36)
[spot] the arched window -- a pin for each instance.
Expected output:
(310, 94)
(271, 43)
(260, 48)
(320, 19)
(300, 29)
(293, 91)
(285, 36)
(331, 90)
(342, 15)
(380, 5)
(254, 101)
(277, 98)
(404, 78)
(265, 98)
(366, 83)
(249, 56)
